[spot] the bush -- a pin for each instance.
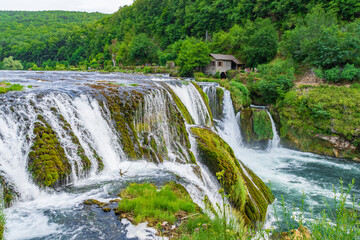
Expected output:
(217, 75)
(350, 73)
(147, 70)
(333, 75)
(199, 75)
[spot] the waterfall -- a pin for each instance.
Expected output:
(275, 142)
(192, 100)
(215, 104)
(228, 126)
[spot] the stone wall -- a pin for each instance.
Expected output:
(226, 65)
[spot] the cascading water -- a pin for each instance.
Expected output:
(193, 101)
(82, 120)
(68, 104)
(275, 142)
(290, 172)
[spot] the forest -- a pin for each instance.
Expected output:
(320, 34)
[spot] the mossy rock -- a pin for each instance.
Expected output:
(47, 161)
(122, 106)
(139, 138)
(218, 156)
(153, 142)
(256, 127)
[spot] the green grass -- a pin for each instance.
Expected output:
(144, 202)
(7, 87)
(340, 218)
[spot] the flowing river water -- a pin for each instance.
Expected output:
(61, 214)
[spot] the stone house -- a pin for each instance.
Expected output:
(222, 63)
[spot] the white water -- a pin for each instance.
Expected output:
(47, 214)
(193, 101)
(275, 141)
(61, 215)
(290, 172)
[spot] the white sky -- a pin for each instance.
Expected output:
(104, 6)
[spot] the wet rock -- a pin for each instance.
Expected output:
(95, 202)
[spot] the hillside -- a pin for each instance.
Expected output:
(153, 31)
(38, 36)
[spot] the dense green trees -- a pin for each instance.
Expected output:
(11, 64)
(153, 31)
(320, 41)
(37, 37)
(193, 55)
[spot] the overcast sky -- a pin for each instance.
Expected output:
(104, 6)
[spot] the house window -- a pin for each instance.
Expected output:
(213, 64)
(220, 64)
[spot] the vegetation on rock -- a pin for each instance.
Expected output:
(256, 126)
(7, 87)
(47, 160)
(9, 193)
(322, 119)
(144, 202)
(217, 155)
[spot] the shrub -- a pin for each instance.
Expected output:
(350, 73)
(147, 70)
(333, 75)
(217, 75)
(199, 75)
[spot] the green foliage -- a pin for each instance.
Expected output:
(193, 55)
(240, 94)
(11, 64)
(255, 43)
(332, 75)
(146, 203)
(321, 111)
(2, 220)
(142, 50)
(321, 42)
(338, 220)
(262, 43)
(350, 73)
(7, 87)
(44, 35)
(275, 79)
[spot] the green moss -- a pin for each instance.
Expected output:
(47, 160)
(99, 160)
(262, 125)
(312, 114)
(256, 126)
(7, 87)
(206, 100)
(218, 156)
(122, 110)
(144, 202)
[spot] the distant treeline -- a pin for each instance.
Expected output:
(157, 31)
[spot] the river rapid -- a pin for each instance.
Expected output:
(61, 214)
